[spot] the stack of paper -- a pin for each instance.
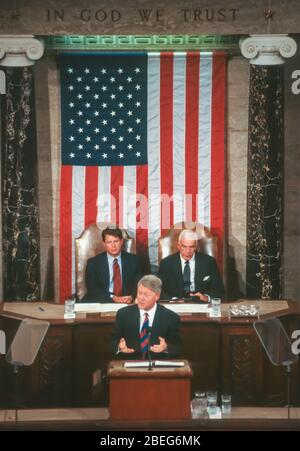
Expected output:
(154, 363)
(95, 307)
(188, 308)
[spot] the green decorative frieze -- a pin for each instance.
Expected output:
(142, 42)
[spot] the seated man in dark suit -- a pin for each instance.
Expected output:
(190, 274)
(112, 276)
(131, 336)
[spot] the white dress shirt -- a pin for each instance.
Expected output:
(151, 314)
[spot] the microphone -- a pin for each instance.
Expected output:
(150, 363)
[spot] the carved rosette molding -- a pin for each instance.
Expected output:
(268, 50)
(20, 51)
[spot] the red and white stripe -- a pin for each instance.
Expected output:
(185, 129)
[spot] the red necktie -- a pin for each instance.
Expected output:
(117, 278)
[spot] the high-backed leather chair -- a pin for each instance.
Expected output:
(90, 244)
(207, 243)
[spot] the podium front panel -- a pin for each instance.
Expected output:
(159, 394)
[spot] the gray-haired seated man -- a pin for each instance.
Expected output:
(146, 326)
(189, 274)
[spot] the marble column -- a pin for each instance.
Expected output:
(20, 216)
(265, 164)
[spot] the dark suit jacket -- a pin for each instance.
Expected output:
(166, 324)
(170, 272)
(97, 277)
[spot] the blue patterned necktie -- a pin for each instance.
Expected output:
(144, 336)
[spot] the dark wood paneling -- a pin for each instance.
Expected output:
(90, 352)
(202, 348)
(241, 364)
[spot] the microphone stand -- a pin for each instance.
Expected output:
(288, 388)
(16, 389)
(150, 363)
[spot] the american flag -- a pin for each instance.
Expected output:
(142, 146)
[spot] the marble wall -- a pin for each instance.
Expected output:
(48, 137)
(20, 212)
(237, 142)
(265, 183)
(291, 245)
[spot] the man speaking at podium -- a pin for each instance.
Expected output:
(146, 327)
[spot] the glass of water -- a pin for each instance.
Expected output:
(216, 307)
(69, 309)
(212, 399)
(226, 404)
(198, 404)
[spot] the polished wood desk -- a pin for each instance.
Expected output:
(97, 419)
(225, 355)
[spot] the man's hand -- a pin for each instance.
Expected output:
(123, 347)
(162, 347)
(122, 299)
(201, 296)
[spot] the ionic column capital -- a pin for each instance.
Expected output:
(268, 49)
(20, 51)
